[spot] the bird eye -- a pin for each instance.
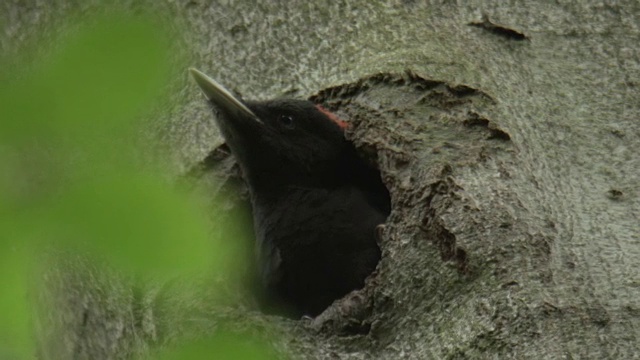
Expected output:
(286, 121)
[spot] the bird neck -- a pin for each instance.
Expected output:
(282, 181)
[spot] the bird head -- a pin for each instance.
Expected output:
(283, 141)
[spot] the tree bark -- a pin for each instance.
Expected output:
(508, 136)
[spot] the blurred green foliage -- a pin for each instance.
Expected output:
(222, 347)
(15, 340)
(68, 175)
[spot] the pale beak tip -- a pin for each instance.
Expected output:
(218, 95)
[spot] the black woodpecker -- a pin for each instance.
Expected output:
(316, 203)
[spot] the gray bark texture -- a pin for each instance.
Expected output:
(508, 134)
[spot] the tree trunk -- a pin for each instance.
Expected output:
(508, 136)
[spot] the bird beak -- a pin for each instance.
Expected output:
(219, 96)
